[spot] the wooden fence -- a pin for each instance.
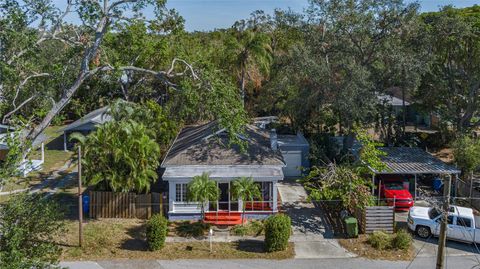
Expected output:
(376, 218)
(124, 205)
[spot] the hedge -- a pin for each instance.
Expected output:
(277, 232)
(157, 228)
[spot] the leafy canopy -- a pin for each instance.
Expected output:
(30, 223)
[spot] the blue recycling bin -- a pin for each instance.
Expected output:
(86, 203)
(437, 184)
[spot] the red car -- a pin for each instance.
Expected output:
(395, 191)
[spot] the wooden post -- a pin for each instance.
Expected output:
(80, 205)
(443, 226)
(471, 185)
(379, 185)
(415, 189)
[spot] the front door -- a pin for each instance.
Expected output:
(224, 201)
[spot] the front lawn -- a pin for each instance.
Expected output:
(362, 248)
(125, 238)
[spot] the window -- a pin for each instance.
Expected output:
(464, 222)
(181, 192)
(450, 220)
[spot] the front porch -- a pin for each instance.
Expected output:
(225, 211)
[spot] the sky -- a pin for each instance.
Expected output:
(205, 15)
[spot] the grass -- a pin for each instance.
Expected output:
(125, 239)
(362, 248)
(251, 228)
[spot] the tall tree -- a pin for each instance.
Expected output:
(252, 51)
(453, 78)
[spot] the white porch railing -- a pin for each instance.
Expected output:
(187, 207)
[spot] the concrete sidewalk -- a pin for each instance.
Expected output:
(344, 263)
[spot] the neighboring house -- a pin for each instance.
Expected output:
(204, 149)
(413, 116)
(85, 125)
(26, 166)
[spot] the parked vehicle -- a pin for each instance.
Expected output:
(425, 222)
(396, 195)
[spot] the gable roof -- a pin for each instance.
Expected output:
(392, 100)
(207, 144)
(98, 116)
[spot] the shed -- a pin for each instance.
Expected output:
(86, 124)
(413, 161)
(295, 150)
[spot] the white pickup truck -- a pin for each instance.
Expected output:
(425, 221)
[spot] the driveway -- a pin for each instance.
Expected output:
(312, 237)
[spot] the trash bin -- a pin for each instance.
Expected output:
(86, 204)
(352, 226)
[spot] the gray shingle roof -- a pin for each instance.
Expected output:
(97, 116)
(198, 145)
(404, 160)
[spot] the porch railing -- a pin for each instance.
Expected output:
(250, 206)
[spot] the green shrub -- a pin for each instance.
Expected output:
(256, 227)
(240, 230)
(252, 228)
(380, 240)
(402, 240)
(157, 228)
(277, 232)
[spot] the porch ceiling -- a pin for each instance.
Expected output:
(224, 172)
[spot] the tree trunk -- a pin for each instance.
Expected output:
(89, 54)
(242, 86)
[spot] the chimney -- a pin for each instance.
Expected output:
(273, 139)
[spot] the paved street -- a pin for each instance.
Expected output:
(343, 263)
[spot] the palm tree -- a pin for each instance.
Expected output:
(202, 189)
(253, 53)
(245, 188)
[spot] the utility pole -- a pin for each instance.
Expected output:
(443, 226)
(80, 205)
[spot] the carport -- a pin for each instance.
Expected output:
(412, 161)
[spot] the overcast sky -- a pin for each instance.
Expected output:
(210, 14)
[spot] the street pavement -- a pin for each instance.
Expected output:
(457, 262)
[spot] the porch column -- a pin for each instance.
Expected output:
(373, 184)
(171, 196)
(65, 141)
(415, 190)
(275, 198)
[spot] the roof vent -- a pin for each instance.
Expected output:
(273, 139)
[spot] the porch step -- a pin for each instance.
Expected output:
(224, 222)
(223, 218)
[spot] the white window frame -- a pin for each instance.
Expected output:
(183, 192)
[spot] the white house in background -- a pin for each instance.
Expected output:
(26, 166)
(204, 149)
(85, 125)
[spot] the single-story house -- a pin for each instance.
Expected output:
(204, 149)
(85, 125)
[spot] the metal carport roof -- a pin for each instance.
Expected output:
(405, 160)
